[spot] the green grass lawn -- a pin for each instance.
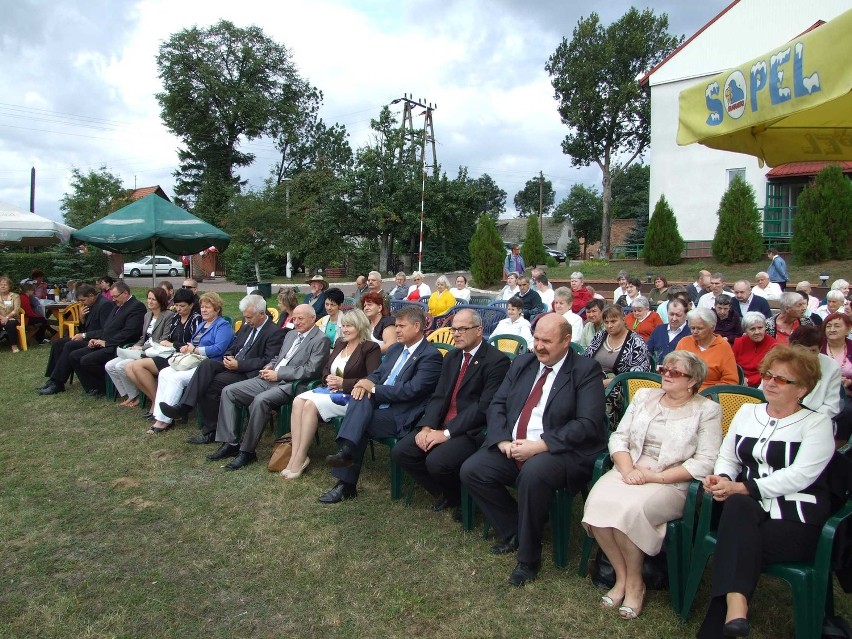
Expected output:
(108, 532)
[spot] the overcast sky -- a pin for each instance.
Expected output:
(80, 81)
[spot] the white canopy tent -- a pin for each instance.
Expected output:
(26, 229)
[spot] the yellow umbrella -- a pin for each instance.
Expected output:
(792, 104)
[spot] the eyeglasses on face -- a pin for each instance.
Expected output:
(778, 379)
(461, 329)
(671, 372)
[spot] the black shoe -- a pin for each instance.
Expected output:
(201, 438)
(340, 492)
(51, 389)
(524, 573)
(95, 393)
(736, 628)
(505, 547)
(242, 459)
(49, 382)
(342, 458)
(175, 412)
(148, 415)
(225, 450)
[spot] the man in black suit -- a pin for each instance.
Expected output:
(529, 296)
(545, 430)
(123, 326)
(388, 402)
(94, 312)
(451, 429)
(256, 343)
(747, 301)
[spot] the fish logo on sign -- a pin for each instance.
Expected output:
(735, 100)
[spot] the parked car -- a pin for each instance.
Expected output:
(559, 256)
(165, 266)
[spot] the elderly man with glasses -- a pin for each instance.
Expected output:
(452, 428)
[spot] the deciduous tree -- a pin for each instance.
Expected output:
(594, 76)
(583, 207)
(93, 195)
(537, 193)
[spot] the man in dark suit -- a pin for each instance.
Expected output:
(123, 326)
(256, 343)
(450, 430)
(699, 287)
(665, 337)
(95, 310)
(386, 403)
(529, 296)
(747, 300)
(303, 354)
(545, 429)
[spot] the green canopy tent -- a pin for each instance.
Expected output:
(792, 104)
(151, 223)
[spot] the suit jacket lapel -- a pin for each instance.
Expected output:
(474, 365)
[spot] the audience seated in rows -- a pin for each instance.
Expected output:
(714, 350)
(665, 337)
(641, 319)
(727, 321)
(563, 300)
(442, 299)
(750, 348)
(515, 323)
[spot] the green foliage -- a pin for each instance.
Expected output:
(222, 86)
(60, 264)
(630, 192)
(594, 80)
(452, 209)
(583, 207)
(93, 195)
(493, 198)
(537, 193)
(822, 226)
(663, 243)
(572, 251)
(362, 258)
(533, 248)
(550, 261)
(738, 235)
(241, 260)
(486, 253)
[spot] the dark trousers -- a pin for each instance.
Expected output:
(205, 391)
(748, 540)
(363, 420)
(59, 362)
(89, 365)
(11, 331)
(487, 475)
(438, 470)
(43, 327)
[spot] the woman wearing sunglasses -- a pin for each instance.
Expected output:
(668, 437)
(769, 476)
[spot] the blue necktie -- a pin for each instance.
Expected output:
(392, 377)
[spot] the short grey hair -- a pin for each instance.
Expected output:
(762, 274)
(577, 275)
(442, 279)
(417, 274)
(253, 302)
(564, 293)
(836, 285)
(357, 320)
(401, 274)
(696, 368)
(641, 302)
(375, 274)
(835, 295)
(789, 300)
(704, 314)
(753, 317)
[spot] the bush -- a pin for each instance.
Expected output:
(61, 264)
(239, 264)
(550, 261)
(663, 243)
(533, 249)
(486, 253)
(363, 259)
(738, 235)
(572, 250)
(822, 226)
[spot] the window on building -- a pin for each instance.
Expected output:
(733, 173)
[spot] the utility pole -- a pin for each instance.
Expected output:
(410, 136)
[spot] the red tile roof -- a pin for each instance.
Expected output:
(137, 194)
(796, 169)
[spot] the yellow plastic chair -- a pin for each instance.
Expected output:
(69, 319)
(237, 325)
(731, 397)
(22, 332)
(443, 349)
(442, 336)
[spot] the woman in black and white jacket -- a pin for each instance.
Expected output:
(770, 474)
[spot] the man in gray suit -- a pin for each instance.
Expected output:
(303, 355)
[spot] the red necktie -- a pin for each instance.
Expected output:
(453, 410)
(532, 402)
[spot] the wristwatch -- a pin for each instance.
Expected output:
(373, 390)
(447, 433)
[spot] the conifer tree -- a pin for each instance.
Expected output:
(738, 235)
(533, 248)
(663, 243)
(833, 200)
(486, 253)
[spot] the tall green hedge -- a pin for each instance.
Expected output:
(59, 265)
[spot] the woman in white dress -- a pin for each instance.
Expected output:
(354, 356)
(667, 437)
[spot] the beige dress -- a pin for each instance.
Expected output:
(657, 438)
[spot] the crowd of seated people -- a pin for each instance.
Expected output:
(473, 419)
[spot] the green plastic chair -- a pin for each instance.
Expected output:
(678, 535)
(510, 345)
(282, 424)
(627, 384)
(813, 592)
(575, 346)
(397, 475)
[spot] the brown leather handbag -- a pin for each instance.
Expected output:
(282, 450)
